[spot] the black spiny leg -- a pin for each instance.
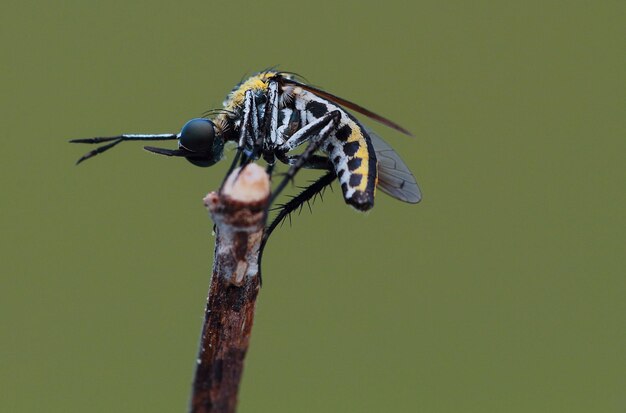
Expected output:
(294, 203)
(316, 133)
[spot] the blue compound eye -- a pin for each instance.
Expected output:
(197, 135)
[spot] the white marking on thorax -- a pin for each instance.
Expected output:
(273, 99)
(282, 128)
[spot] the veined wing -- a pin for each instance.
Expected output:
(394, 177)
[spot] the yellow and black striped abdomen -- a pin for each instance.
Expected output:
(348, 147)
(354, 160)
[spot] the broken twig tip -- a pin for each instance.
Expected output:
(238, 211)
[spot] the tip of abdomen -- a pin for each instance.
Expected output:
(361, 200)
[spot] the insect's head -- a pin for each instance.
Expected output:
(198, 142)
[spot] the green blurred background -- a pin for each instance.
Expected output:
(503, 291)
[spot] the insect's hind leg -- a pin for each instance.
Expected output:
(308, 159)
(294, 203)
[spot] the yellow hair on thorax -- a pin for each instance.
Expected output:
(255, 83)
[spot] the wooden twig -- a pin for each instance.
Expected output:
(238, 212)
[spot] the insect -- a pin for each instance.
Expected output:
(271, 114)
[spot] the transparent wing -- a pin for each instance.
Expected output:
(394, 177)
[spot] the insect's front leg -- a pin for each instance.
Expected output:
(268, 137)
(247, 134)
